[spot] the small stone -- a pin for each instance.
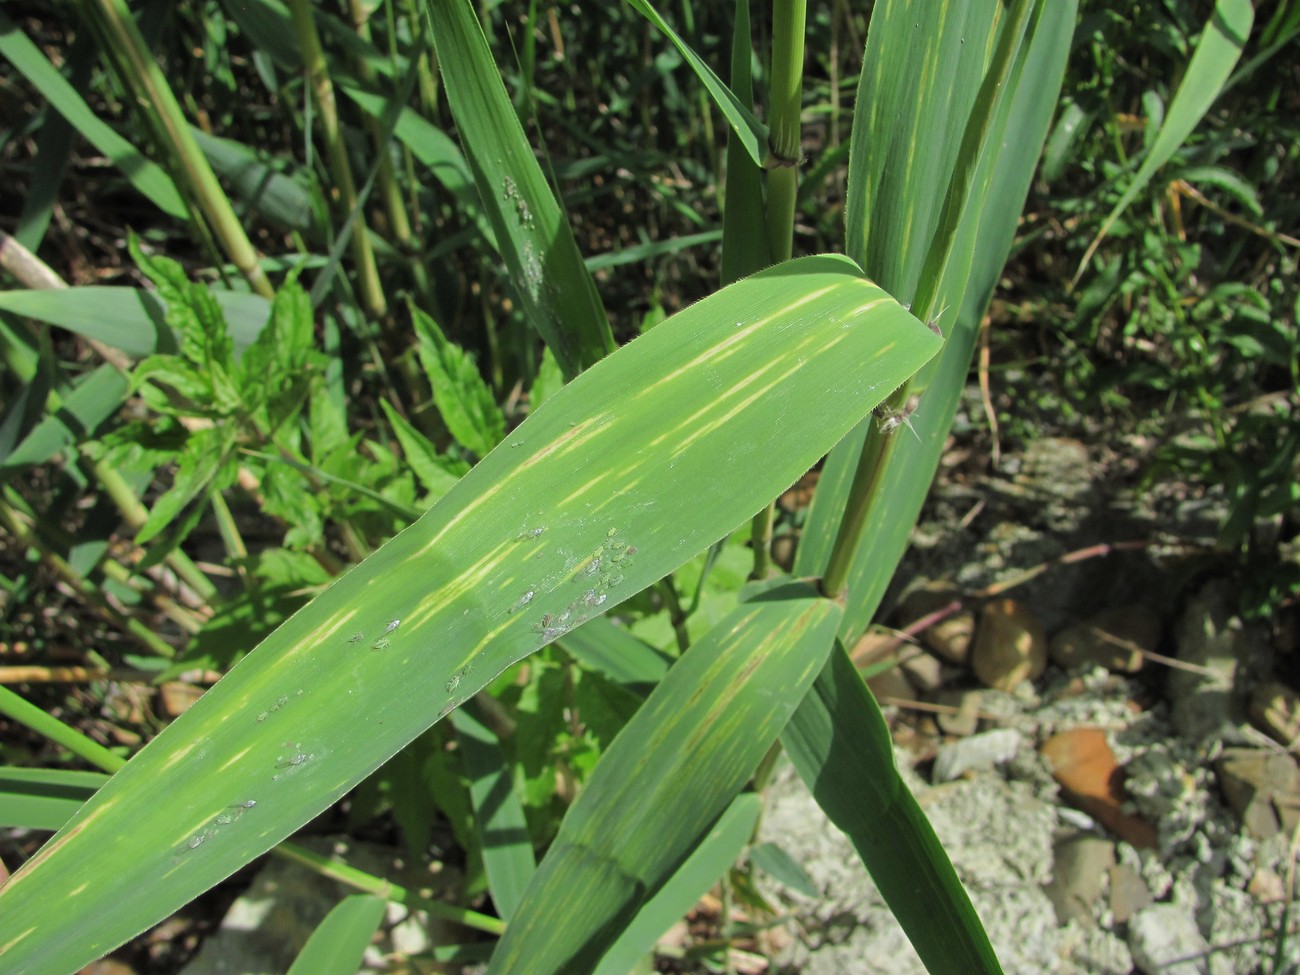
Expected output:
(1082, 762)
(1267, 886)
(950, 638)
(1078, 874)
(891, 686)
(966, 719)
(924, 671)
(1275, 710)
(1010, 646)
(977, 753)
(1262, 787)
(176, 697)
(1209, 701)
(873, 647)
(1128, 892)
(1114, 639)
(1164, 940)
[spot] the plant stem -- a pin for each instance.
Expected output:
(143, 78)
(390, 190)
(785, 141)
(785, 137)
(329, 867)
(876, 450)
(26, 713)
(17, 525)
(317, 69)
(878, 446)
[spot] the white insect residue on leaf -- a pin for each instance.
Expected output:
(392, 625)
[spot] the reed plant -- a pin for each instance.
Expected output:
(479, 544)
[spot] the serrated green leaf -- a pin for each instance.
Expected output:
(597, 495)
(204, 454)
(429, 466)
(463, 399)
(548, 382)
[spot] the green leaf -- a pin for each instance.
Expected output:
(146, 177)
(128, 318)
(745, 239)
(281, 199)
(339, 942)
(554, 288)
(984, 239)
(616, 653)
(710, 860)
(600, 493)
(435, 472)
(665, 780)
(748, 131)
(774, 861)
(462, 397)
(94, 399)
(498, 813)
(1217, 53)
(39, 798)
(842, 749)
(204, 454)
(548, 382)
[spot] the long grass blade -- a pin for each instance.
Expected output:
(130, 319)
(717, 852)
(339, 942)
(664, 781)
(147, 177)
(498, 813)
(1217, 53)
(600, 492)
(750, 133)
(536, 241)
(41, 798)
(982, 243)
(842, 748)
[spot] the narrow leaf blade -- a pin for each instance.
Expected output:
(842, 749)
(535, 239)
(664, 781)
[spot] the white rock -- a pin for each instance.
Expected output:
(1164, 940)
(978, 752)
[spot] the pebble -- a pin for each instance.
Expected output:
(1082, 762)
(1078, 874)
(1263, 788)
(1113, 639)
(977, 753)
(950, 638)
(1212, 637)
(1010, 646)
(1164, 940)
(1275, 710)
